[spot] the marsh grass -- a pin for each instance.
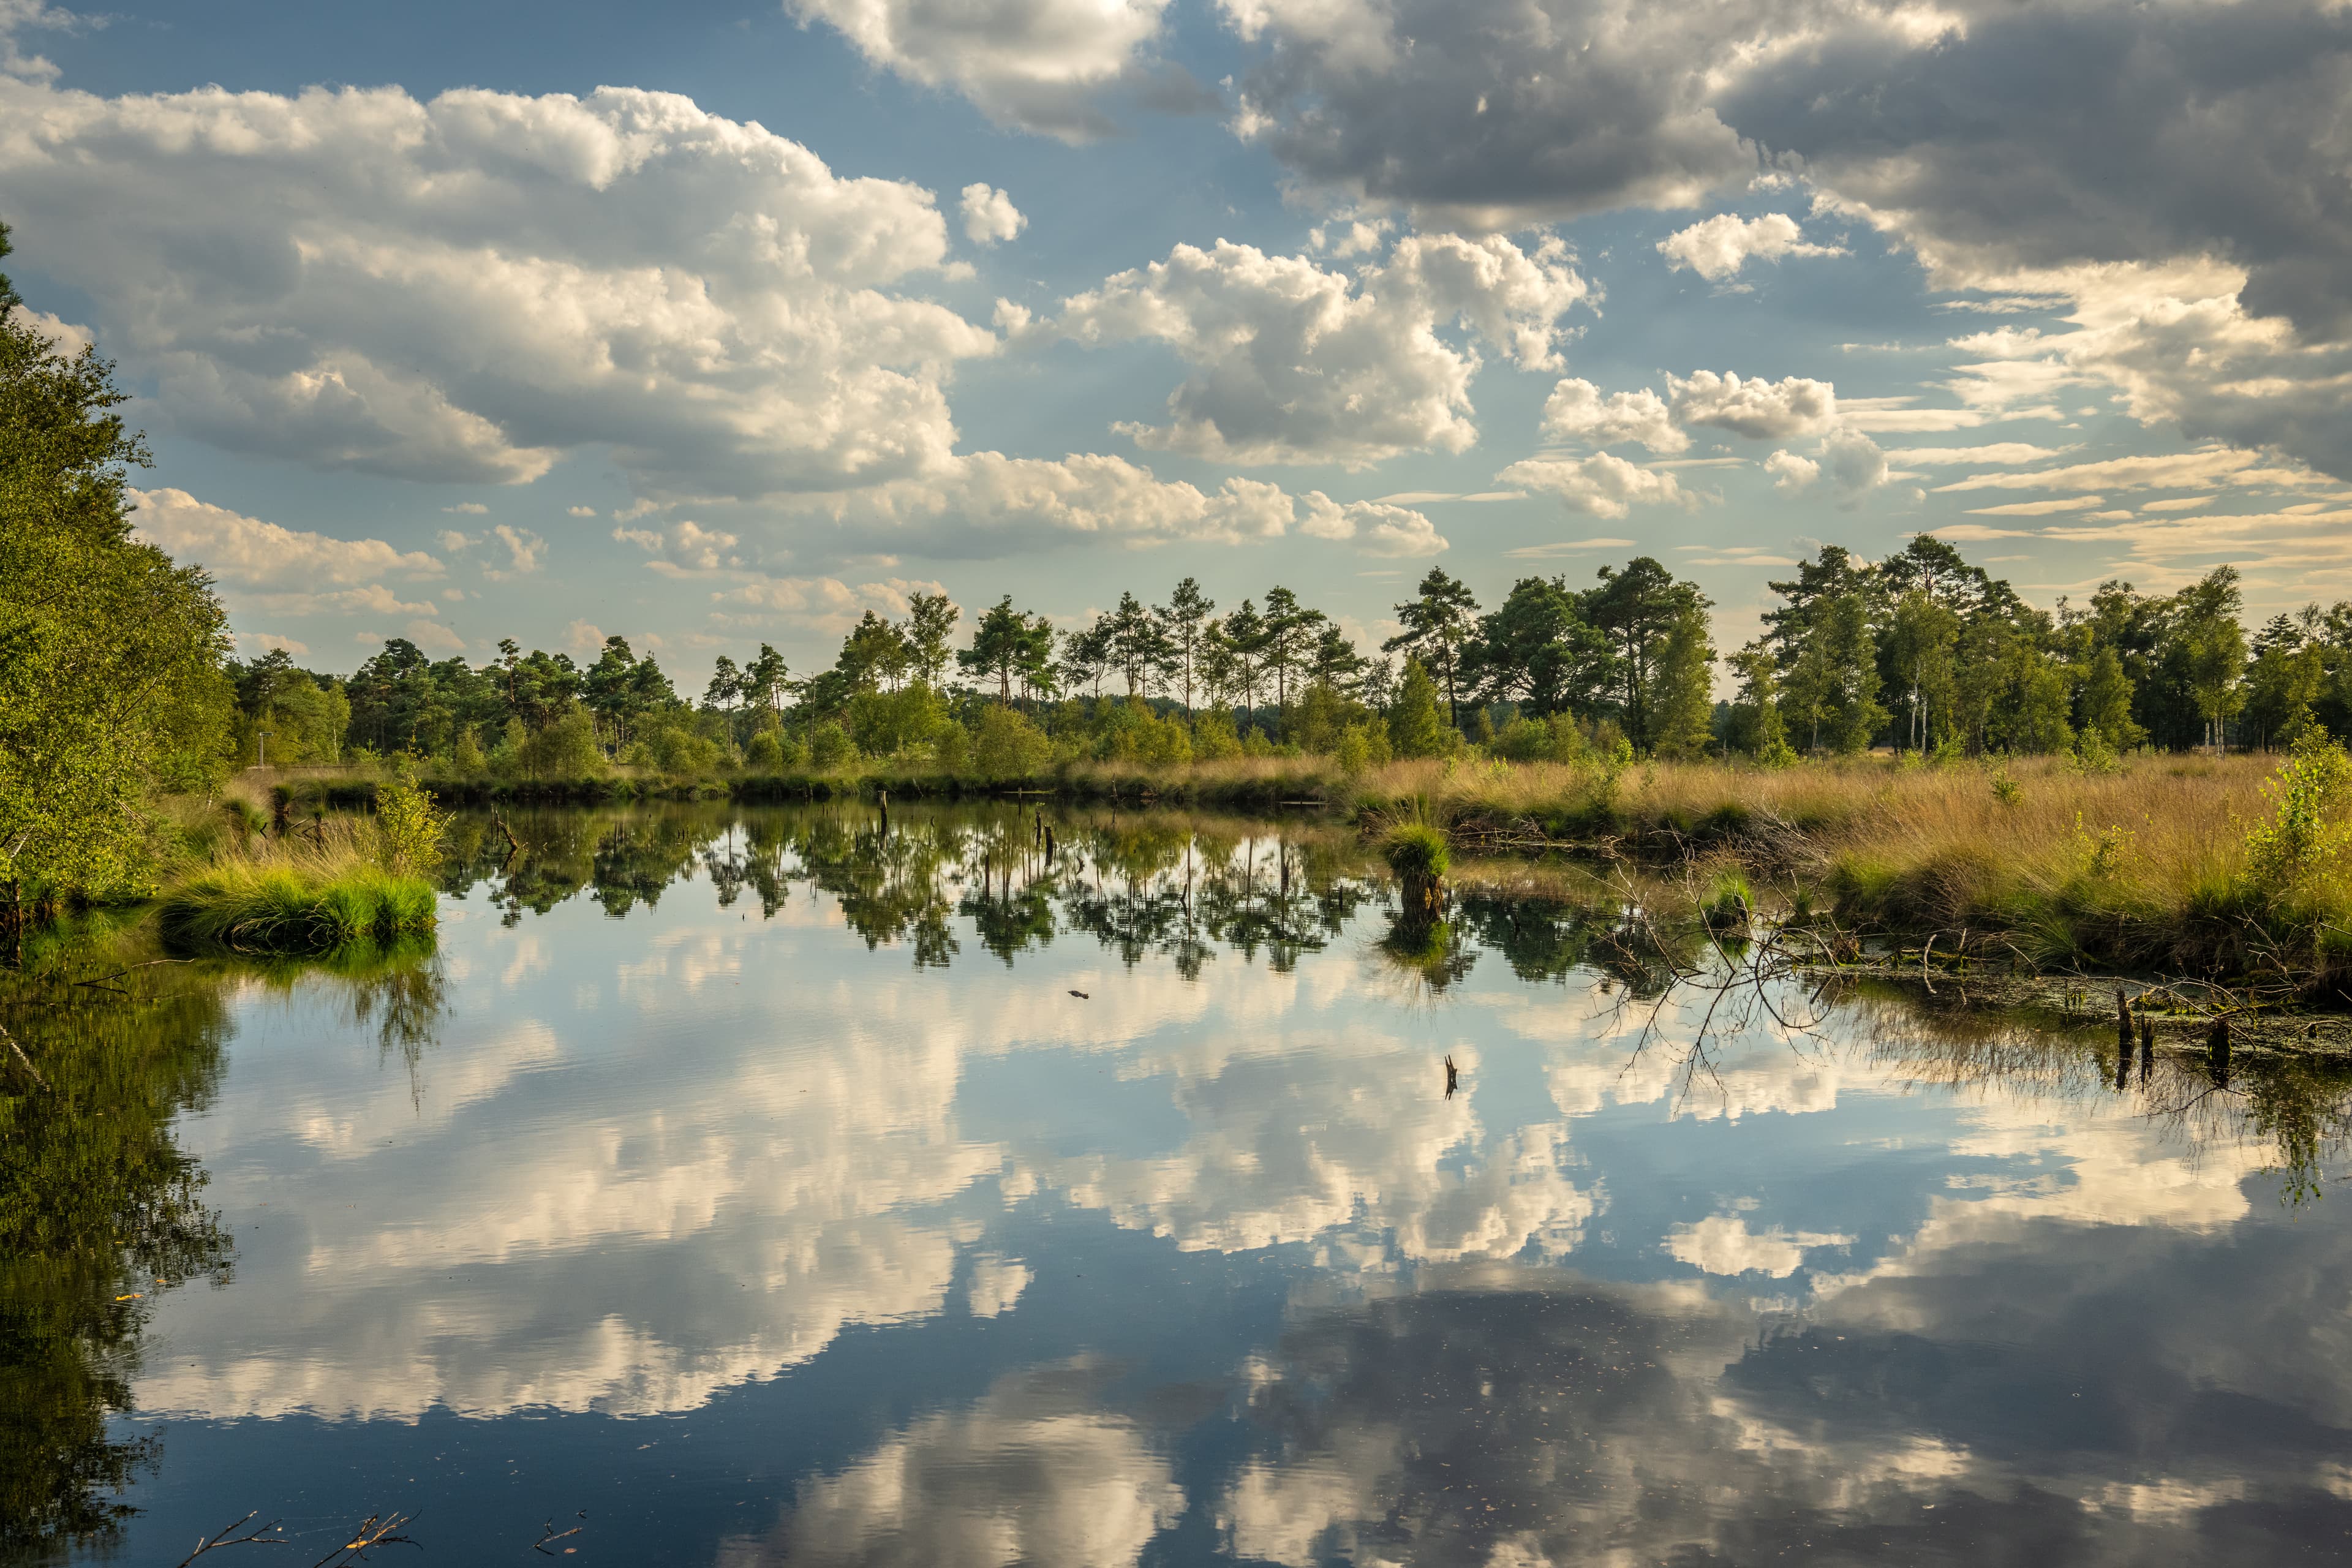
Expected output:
(319, 890)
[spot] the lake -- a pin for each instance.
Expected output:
(743, 1186)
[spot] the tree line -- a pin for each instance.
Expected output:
(1922, 652)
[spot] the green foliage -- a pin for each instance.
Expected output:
(830, 747)
(1683, 700)
(890, 723)
(408, 829)
(765, 753)
(1214, 737)
(2305, 843)
(565, 749)
(110, 682)
(1414, 727)
(467, 758)
(1010, 746)
(2005, 789)
(1362, 746)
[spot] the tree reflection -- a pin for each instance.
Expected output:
(100, 1211)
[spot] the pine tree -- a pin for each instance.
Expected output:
(1414, 727)
(1683, 699)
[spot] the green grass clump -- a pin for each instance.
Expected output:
(1416, 852)
(242, 907)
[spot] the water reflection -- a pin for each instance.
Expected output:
(969, 1198)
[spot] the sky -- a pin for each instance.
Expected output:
(710, 325)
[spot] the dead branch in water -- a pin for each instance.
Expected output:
(259, 1535)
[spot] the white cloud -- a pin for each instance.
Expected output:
(1760, 409)
(1602, 484)
(1791, 473)
(826, 605)
(579, 511)
(468, 508)
(526, 552)
(435, 638)
(70, 340)
(265, 641)
(1853, 463)
(1039, 64)
(989, 215)
(2039, 508)
(1300, 364)
(1998, 452)
(246, 552)
(2159, 470)
(1722, 1244)
(463, 289)
(1576, 412)
(1380, 528)
(1719, 246)
(684, 547)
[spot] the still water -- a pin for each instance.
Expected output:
(741, 1188)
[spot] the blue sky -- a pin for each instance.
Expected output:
(716, 325)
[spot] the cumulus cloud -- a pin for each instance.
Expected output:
(1722, 1244)
(1039, 64)
(1297, 362)
(1791, 474)
(1380, 528)
(826, 605)
(1760, 409)
(68, 338)
(461, 290)
(1576, 412)
(684, 547)
(989, 215)
(247, 553)
(1853, 464)
(1602, 484)
(1484, 114)
(266, 568)
(1718, 247)
(526, 552)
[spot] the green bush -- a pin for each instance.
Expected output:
(408, 829)
(2306, 841)
(565, 749)
(1009, 746)
(830, 747)
(765, 753)
(1214, 735)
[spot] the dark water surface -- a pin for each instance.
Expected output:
(750, 1186)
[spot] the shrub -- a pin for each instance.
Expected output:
(829, 747)
(2305, 840)
(766, 753)
(1009, 746)
(467, 758)
(1363, 746)
(1214, 735)
(951, 748)
(566, 749)
(408, 829)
